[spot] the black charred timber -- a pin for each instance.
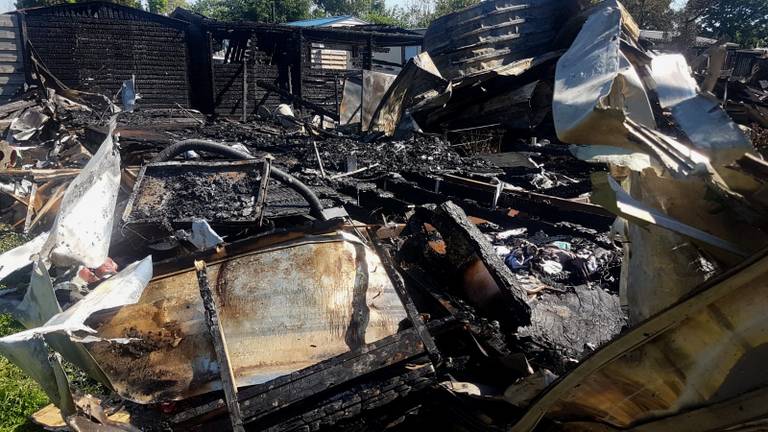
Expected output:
(368, 57)
(236, 94)
(220, 347)
(319, 87)
(568, 326)
(464, 242)
(298, 100)
(327, 390)
(754, 166)
(549, 208)
(409, 193)
(405, 298)
(302, 56)
(96, 46)
(200, 66)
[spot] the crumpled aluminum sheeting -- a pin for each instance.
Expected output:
(38, 306)
(673, 79)
(28, 350)
(125, 288)
(609, 194)
(21, 256)
(596, 87)
(706, 124)
(30, 353)
(617, 156)
(39, 303)
(83, 228)
(25, 126)
(203, 236)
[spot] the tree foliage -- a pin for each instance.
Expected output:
(741, 21)
(254, 10)
(157, 6)
(444, 7)
(652, 14)
(171, 6)
(23, 4)
(346, 7)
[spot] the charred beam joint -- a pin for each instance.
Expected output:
(464, 242)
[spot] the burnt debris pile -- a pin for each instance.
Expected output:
(539, 220)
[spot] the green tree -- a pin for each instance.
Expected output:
(445, 7)
(254, 10)
(415, 14)
(346, 7)
(23, 4)
(157, 6)
(651, 14)
(741, 21)
(171, 6)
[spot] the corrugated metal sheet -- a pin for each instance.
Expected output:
(493, 34)
(11, 58)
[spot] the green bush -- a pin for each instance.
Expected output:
(20, 396)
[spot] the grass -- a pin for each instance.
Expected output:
(20, 396)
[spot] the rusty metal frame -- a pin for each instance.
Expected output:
(254, 164)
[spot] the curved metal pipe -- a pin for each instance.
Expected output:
(316, 207)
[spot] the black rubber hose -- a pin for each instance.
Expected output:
(316, 207)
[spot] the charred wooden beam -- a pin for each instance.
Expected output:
(297, 99)
(322, 378)
(220, 347)
(405, 298)
(464, 242)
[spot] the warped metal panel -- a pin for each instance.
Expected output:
(282, 309)
(707, 349)
(596, 87)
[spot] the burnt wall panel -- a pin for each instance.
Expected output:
(97, 52)
(228, 84)
(323, 86)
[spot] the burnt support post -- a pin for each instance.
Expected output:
(336, 93)
(410, 308)
(299, 87)
(368, 57)
(220, 348)
(245, 83)
(264, 187)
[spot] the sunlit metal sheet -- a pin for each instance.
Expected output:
(375, 86)
(709, 348)
(596, 87)
(282, 310)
